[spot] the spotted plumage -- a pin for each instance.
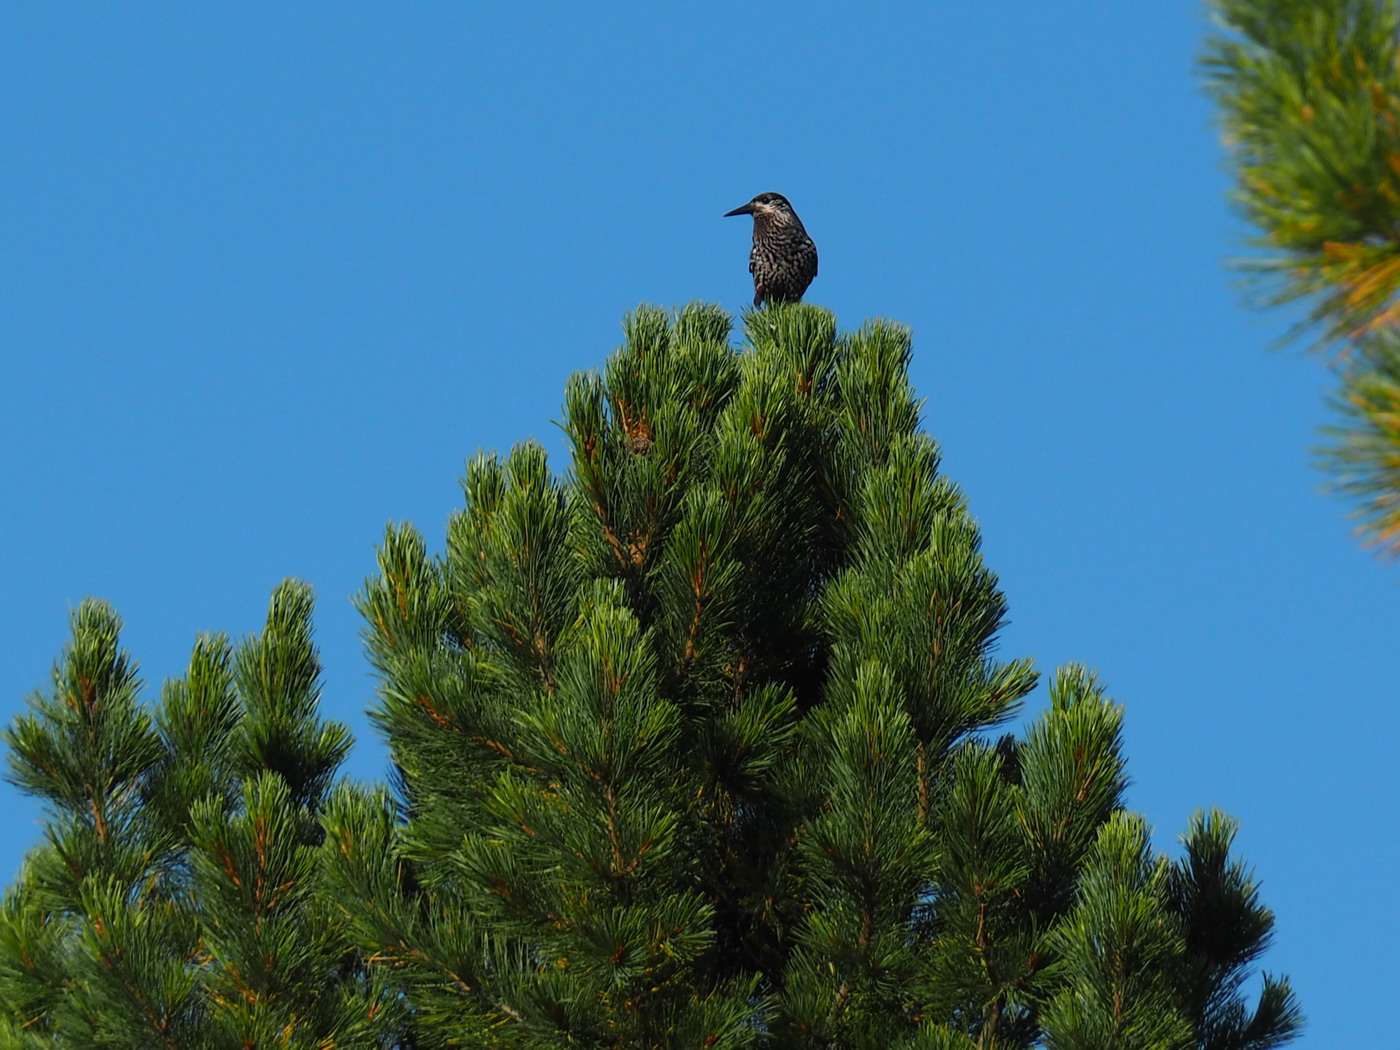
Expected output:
(784, 259)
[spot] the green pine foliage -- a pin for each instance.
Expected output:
(1309, 96)
(694, 746)
(175, 899)
(1363, 450)
(1309, 99)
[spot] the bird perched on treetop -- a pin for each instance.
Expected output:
(784, 259)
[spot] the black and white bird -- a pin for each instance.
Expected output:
(784, 259)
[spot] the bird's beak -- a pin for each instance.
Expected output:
(743, 209)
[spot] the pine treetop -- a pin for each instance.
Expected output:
(693, 746)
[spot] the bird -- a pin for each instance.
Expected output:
(784, 259)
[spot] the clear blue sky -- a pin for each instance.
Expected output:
(270, 272)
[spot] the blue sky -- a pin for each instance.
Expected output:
(270, 272)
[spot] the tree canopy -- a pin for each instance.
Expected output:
(698, 743)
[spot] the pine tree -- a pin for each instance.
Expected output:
(174, 902)
(695, 747)
(1309, 96)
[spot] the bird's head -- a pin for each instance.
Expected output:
(772, 205)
